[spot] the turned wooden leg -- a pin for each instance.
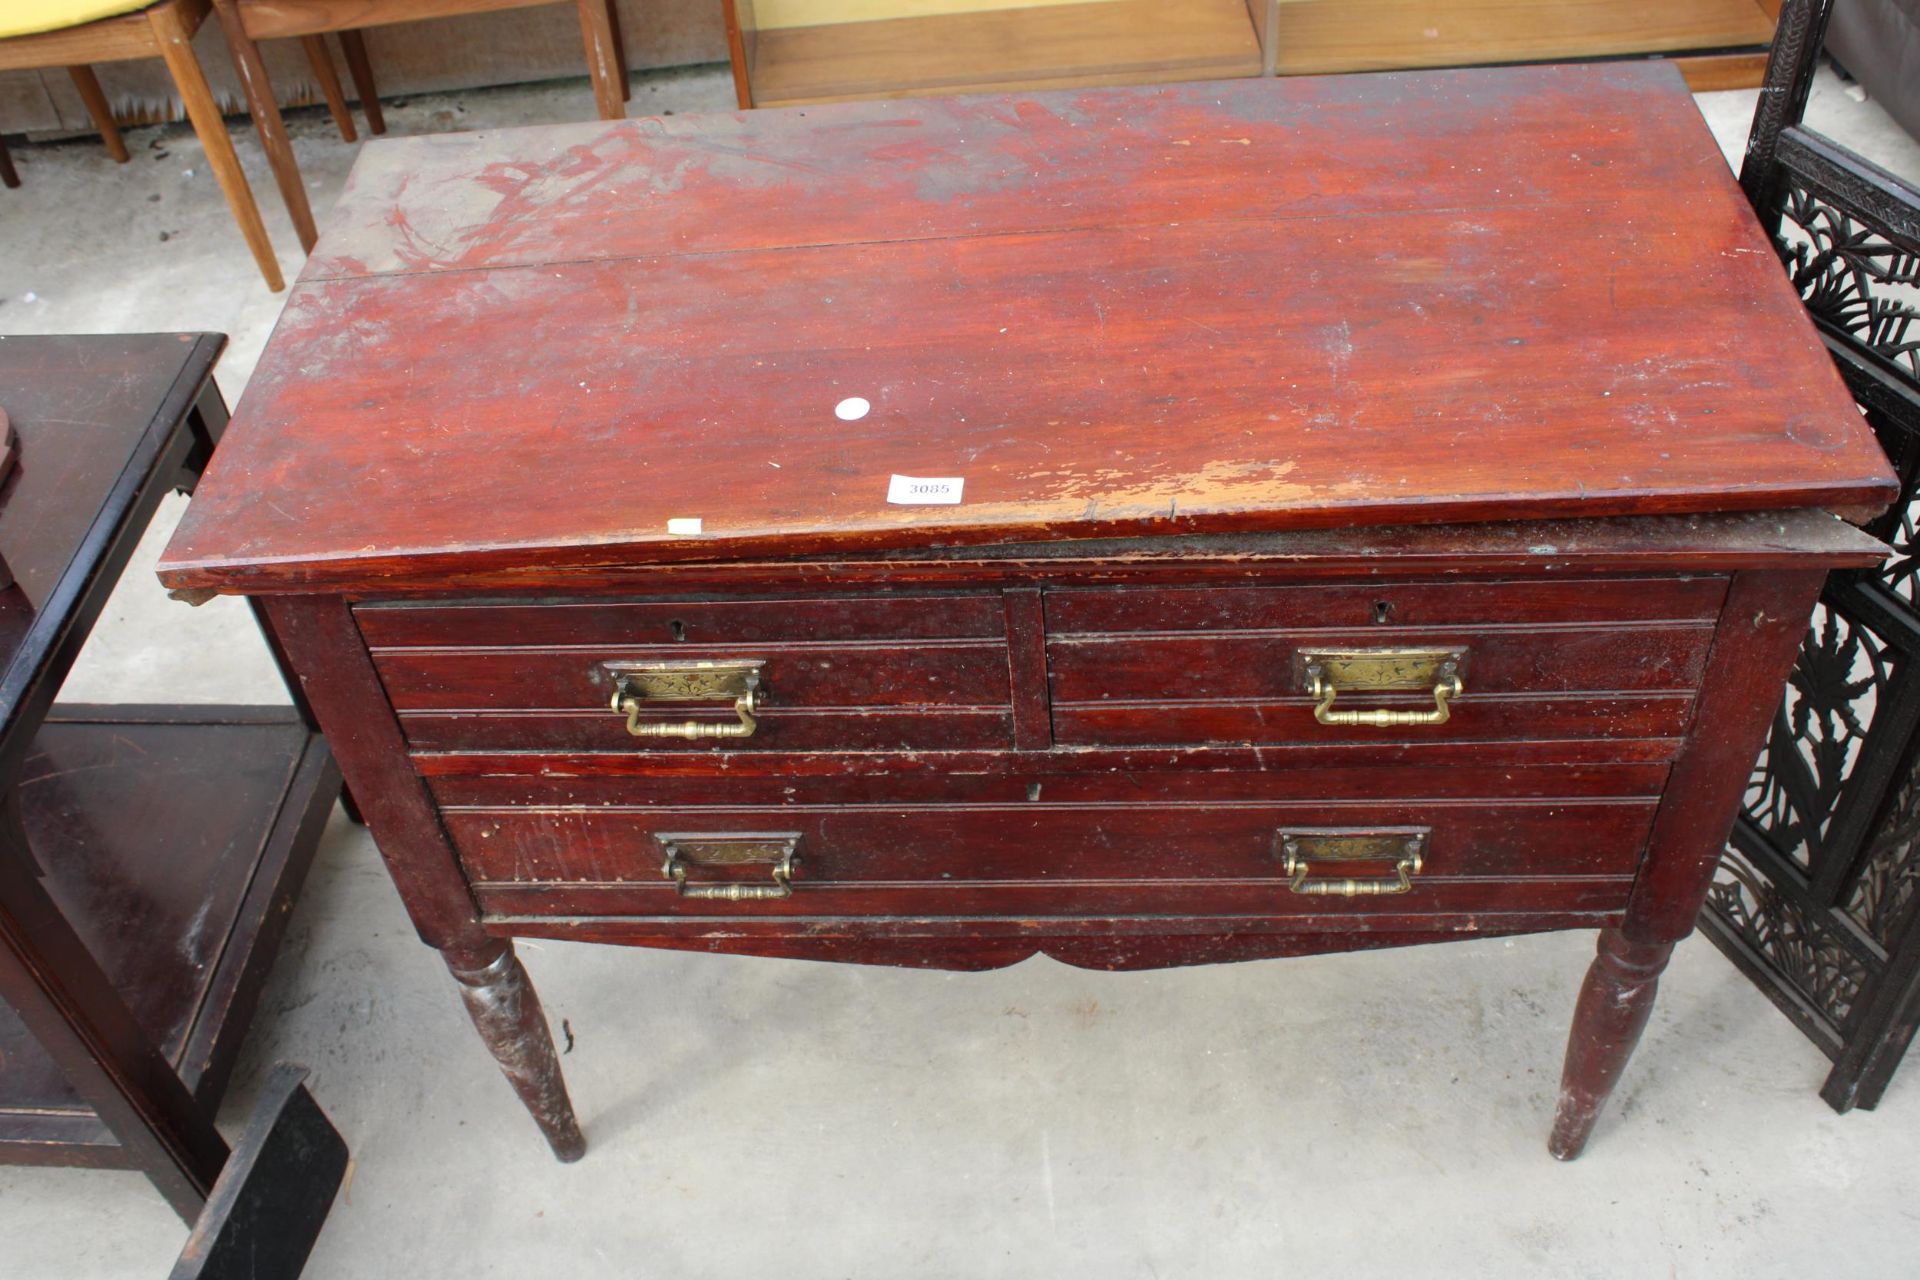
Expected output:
(506, 1011)
(9, 176)
(176, 50)
(1615, 1002)
(360, 67)
(320, 60)
(90, 93)
(596, 28)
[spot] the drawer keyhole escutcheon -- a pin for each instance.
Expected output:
(686, 852)
(638, 684)
(1327, 673)
(1404, 847)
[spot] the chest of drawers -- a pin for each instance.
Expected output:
(1386, 509)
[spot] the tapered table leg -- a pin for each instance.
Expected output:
(506, 1011)
(175, 42)
(361, 69)
(320, 59)
(1615, 1002)
(266, 120)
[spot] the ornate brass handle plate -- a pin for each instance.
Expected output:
(636, 684)
(780, 849)
(1404, 847)
(1325, 673)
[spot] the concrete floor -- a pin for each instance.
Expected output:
(1367, 1115)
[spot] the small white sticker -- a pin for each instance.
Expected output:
(685, 525)
(924, 491)
(852, 409)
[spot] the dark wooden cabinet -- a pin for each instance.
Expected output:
(1375, 525)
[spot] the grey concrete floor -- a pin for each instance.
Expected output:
(1364, 1115)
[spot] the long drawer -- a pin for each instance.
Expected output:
(1615, 658)
(830, 848)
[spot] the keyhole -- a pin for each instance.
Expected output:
(678, 628)
(1382, 611)
(1033, 791)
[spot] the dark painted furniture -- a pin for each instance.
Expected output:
(150, 854)
(272, 1198)
(1817, 896)
(1386, 510)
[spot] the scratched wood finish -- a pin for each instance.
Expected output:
(1225, 901)
(1164, 334)
(1109, 778)
(1237, 306)
(1041, 842)
(1389, 603)
(957, 673)
(1106, 944)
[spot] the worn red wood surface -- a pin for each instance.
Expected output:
(1071, 847)
(1465, 295)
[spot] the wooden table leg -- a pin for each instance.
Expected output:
(90, 93)
(620, 50)
(267, 122)
(1761, 625)
(506, 1011)
(176, 49)
(602, 63)
(320, 58)
(360, 67)
(319, 640)
(1615, 1002)
(9, 176)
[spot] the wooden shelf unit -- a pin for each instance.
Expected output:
(1717, 43)
(174, 840)
(149, 855)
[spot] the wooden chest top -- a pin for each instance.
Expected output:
(1253, 305)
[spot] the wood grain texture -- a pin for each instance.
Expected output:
(1076, 778)
(1095, 943)
(1712, 73)
(1318, 36)
(1227, 902)
(273, 19)
(1081, 302)
(1760, 634)
(318, 637)
(1075, 847)
(1041, 46)
(1383, 608)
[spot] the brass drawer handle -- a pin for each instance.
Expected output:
(733, 849)
(1326, 672)
(635, 684)
(1301, 849)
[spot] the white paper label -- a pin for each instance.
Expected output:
(684, 526)
(925, 491)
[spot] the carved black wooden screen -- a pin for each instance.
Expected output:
(1816, 898)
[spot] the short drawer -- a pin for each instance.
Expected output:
(1051, 859)
(1618, 658)
(876, 673)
